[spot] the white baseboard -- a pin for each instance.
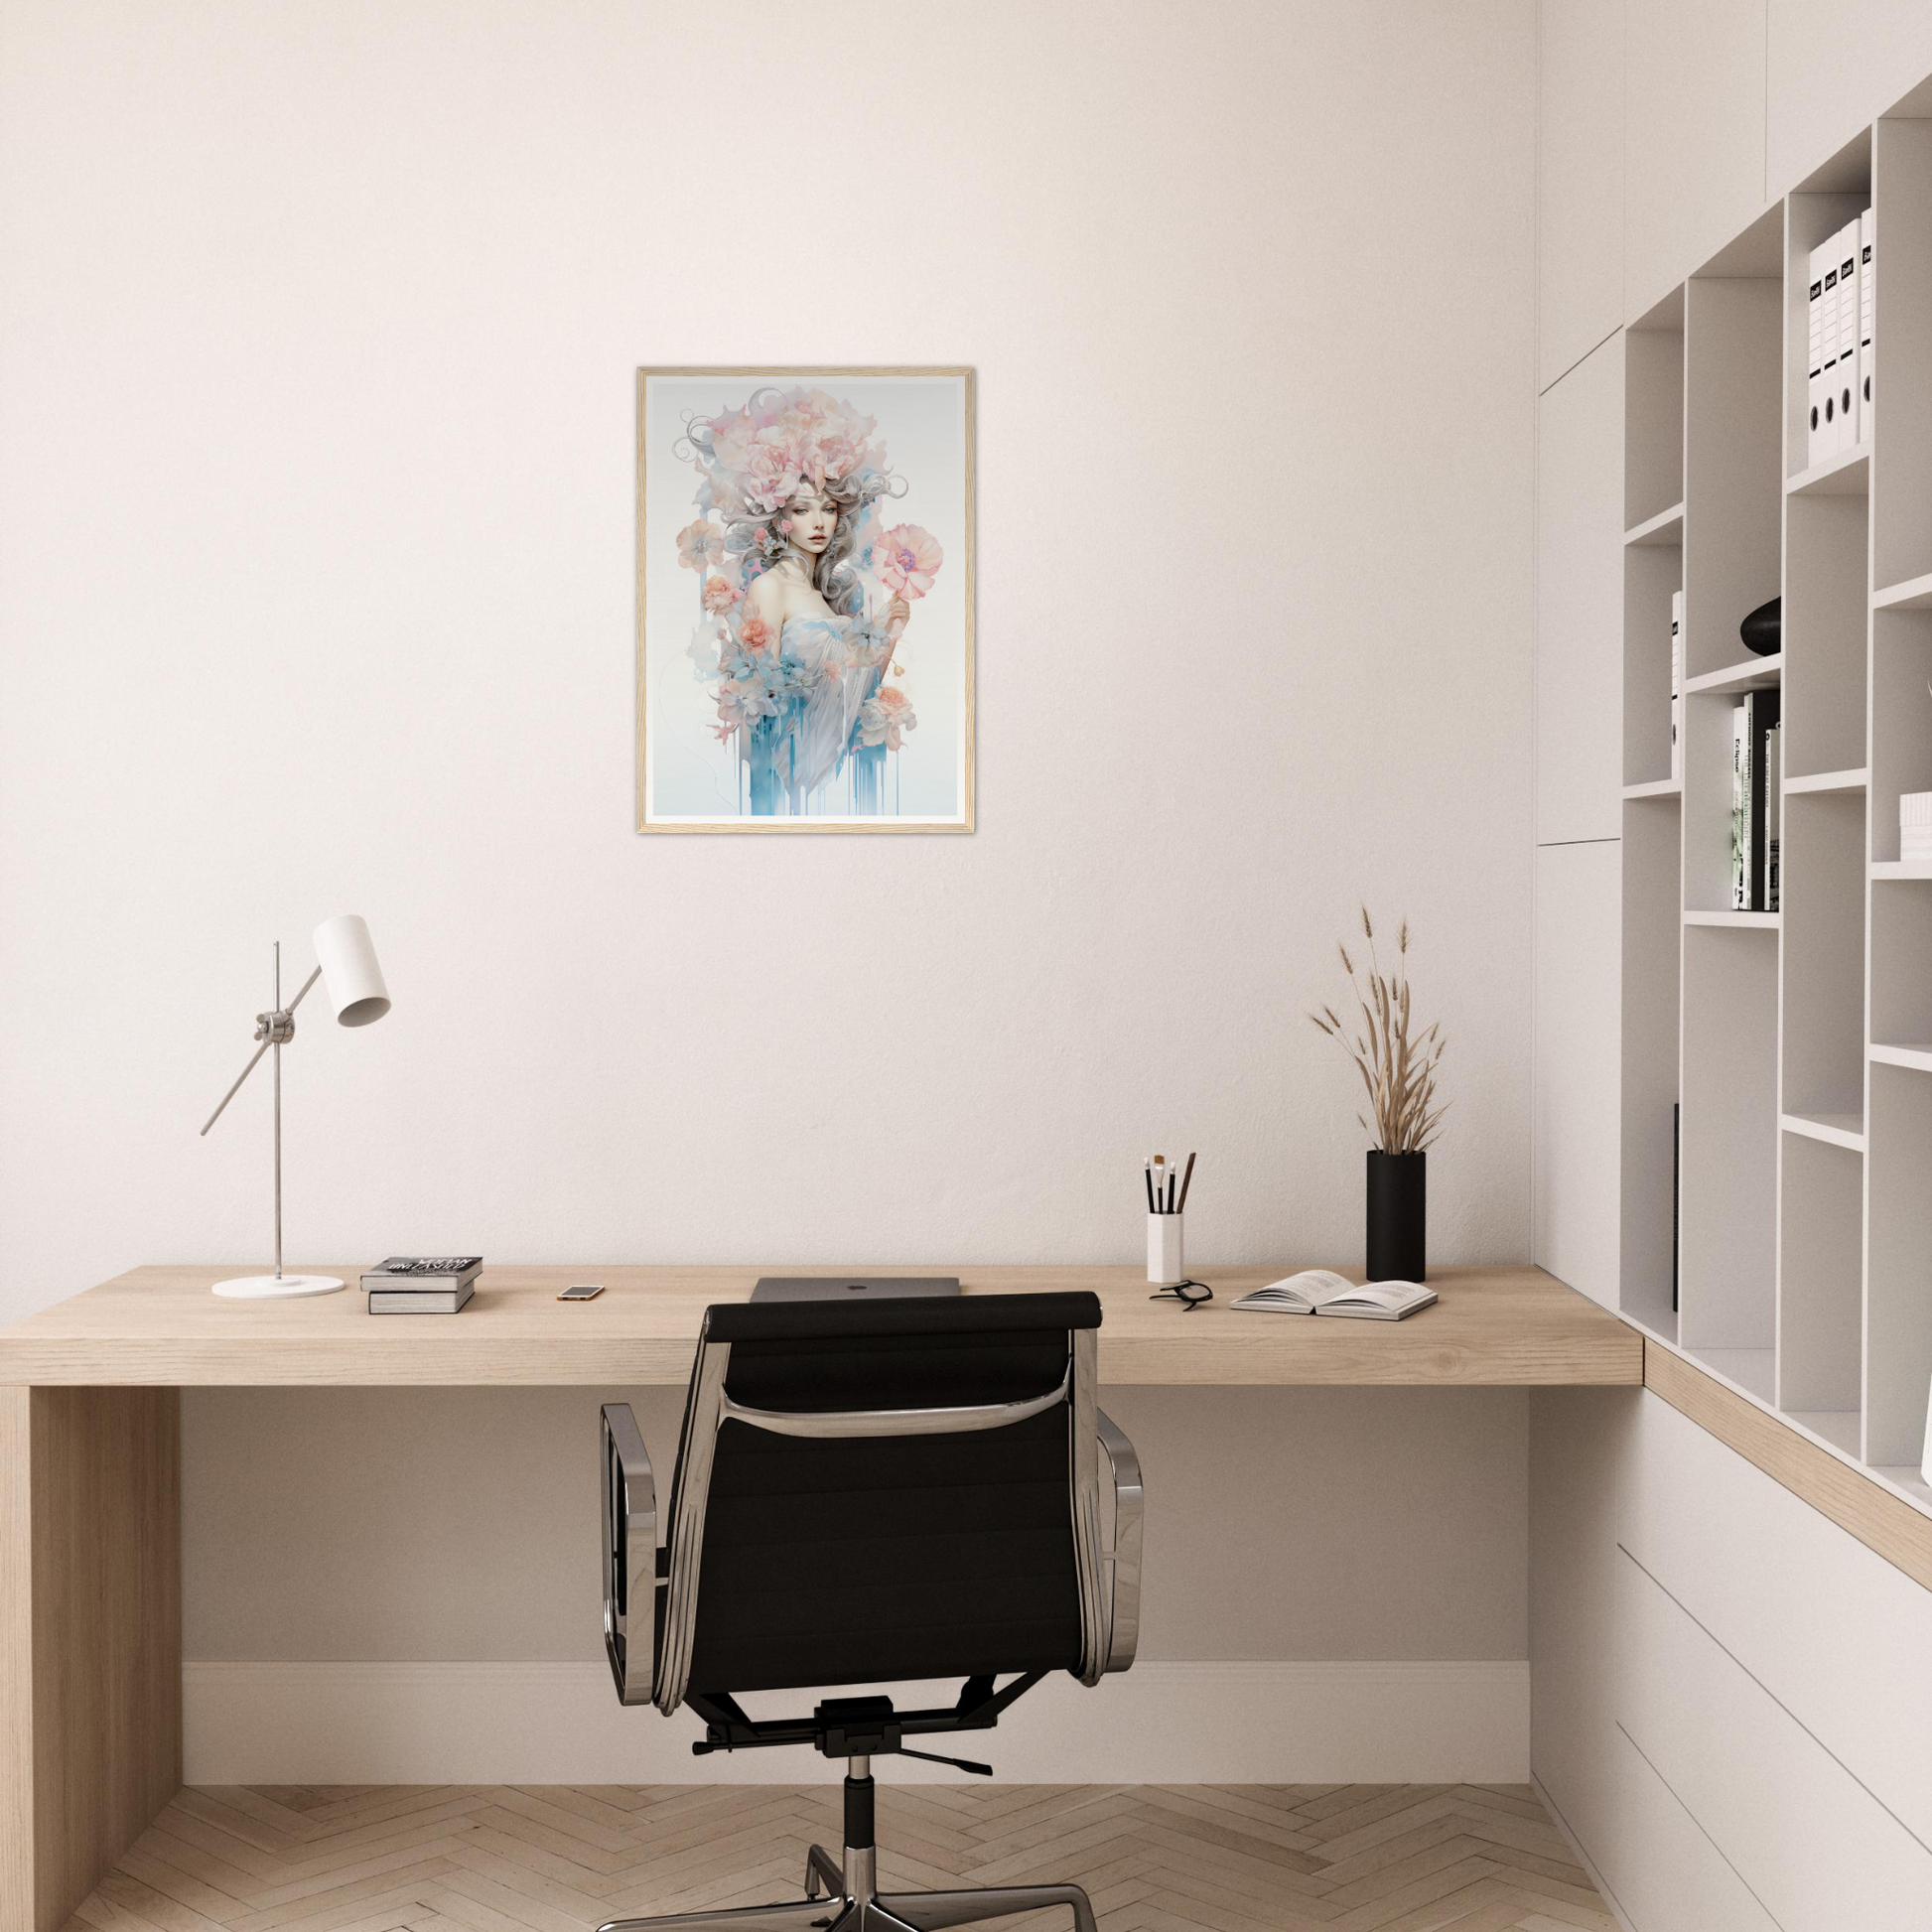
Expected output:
(561, 1723)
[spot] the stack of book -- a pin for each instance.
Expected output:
(1839, 362)
(422, 1284)
(1755, 803)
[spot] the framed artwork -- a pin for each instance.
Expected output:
(804, 600)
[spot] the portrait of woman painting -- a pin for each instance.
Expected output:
(804, 600)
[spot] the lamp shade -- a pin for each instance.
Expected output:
(349, 975)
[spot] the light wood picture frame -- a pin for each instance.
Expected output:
(805, 568)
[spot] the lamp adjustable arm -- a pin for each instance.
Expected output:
(274, 1029)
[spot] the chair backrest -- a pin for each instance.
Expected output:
(884, 1491)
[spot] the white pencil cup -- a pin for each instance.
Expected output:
(1164, 1265)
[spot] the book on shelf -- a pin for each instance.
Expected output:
(1773, 807)
(1321, 1291)
(1677, 687)
(420, 1300)
(1740, 812)
(1752, 817)
(1761, 718)
(423, 1274)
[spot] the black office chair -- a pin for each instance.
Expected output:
(866, 1494)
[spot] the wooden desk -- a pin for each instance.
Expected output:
(90, 1461)
(161, 1328)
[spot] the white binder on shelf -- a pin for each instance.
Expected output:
(1848, 337)
(1816, 311)
(1866, 304)
(1828, 436)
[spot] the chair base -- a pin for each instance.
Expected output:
(856, 1908)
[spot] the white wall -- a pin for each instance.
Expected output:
(315, 457)
(317, 341)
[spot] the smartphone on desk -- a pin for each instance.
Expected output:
(581, 1291)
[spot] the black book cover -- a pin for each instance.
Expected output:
(1760, 714)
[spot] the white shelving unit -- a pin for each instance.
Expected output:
(1797, 1043)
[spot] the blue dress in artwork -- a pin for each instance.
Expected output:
(804, 759)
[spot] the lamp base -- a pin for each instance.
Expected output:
(276, 1288)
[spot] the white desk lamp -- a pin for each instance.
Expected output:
(353, 981)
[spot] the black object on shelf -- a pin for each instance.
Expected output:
(1398, 1216)
(1764, 631)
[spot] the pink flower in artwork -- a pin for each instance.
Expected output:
(700, 543)
(719, 595)
(907, 559)
(770, 472)
(832, 456)
(886, 719)
(754, 633)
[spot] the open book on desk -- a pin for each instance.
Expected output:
(1321, 1291)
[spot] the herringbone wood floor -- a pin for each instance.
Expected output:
(561, 1857)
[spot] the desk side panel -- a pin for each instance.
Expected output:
(103, 1538)
(16, 1665)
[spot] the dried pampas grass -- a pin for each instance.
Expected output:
(1398, 1071)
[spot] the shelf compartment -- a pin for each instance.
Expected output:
(1901, 869)
(1826, 781)
(1901, 964)
(1826, 576)
(1835, 1130)
(1845, 475)
(1898, 1298)
(1729, 1260)
(1823, 921)
(1656, 788)
(1915, 593)
(1901, 719)
(1653, 939)
(1650, 578)
(1736, 922)
(1901, 462)
(1821, 1257)
(1663, 531)
(1734, 472)
(1653, 414)
(1754, 674)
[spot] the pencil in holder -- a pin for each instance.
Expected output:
(1165, 1263)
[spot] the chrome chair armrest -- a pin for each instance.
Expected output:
(1124, 1558)
(630, 1555)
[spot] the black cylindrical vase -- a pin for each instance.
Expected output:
(1398, 1216)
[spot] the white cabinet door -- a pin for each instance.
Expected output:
(1575, 1113)
(1818, 1850)
(1783, 1589)
(1692, 137)
(1579, 180)
(1833, 65)
(1580, 602)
